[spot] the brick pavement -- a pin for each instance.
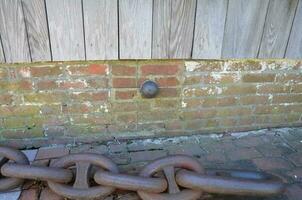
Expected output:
(278, 151)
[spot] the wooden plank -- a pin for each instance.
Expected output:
(161, 28)
(13, 31)
(277, 28)
(294, 48)
(182, 26)
(37, 32)
(101, 29)
(209, 28)
(2, 57)
(244, 28)
(135, 28)
(66, 29)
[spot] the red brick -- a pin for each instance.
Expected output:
(159, 69)
(123, 70)
(124, 82)
(40, 71)
(287, 98)
(16, 85)
(127, 94)
(46, 85)
(167, 82)
(93, 69)
(201, 114)
(272, 88)
(226, 101)
(127, 118)
(89, 96)
(6, 99)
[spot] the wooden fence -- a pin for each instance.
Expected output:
(44, 30)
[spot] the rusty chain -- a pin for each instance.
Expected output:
(178, 177)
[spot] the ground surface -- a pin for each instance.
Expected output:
(276, 150)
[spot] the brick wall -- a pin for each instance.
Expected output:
(63, 102)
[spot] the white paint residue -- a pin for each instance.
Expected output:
(104, 107)
(216, 76)
(25, 72)
(192, 66)
(183, 104)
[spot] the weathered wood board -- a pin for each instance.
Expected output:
(2, 57)
(294, 48)
(244, 28)
(182, 27)
(37, 30)
(135, 29)
(13, 31)
(161, 28)
(209, 28)
(277, 28)
(66, 29)
(101, 29)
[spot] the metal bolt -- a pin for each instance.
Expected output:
(149, 89)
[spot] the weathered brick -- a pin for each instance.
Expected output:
(258, 78)
(16, 85)
(123, 70)
(72, 84)
(3, 73)
(169, 92)
(192, 79)
(219, 78)
(125, 94)
(124, 107)
(235, 111)
(200, 114)
(92, 69)
(239, 89)
(287, 98)
(253, 100)
(124, 82)
(166, 103)
(225, 101)
(167, 82)
(159, 69)
(24, 110)
(272, 88)
(46, 85)
(46, 71)
(127, 117)
(99, 83)
(289, 78)
(91, 119)
(6, 99)
(89, 96)
(45, 97)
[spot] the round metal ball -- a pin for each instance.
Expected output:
(149, 89)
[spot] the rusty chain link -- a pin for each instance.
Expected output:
(178, 177)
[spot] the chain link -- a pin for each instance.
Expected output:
(89, 176)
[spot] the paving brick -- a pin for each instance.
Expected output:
(52, 152)
(216, 157)
(274, 150)
(147, 155)
(272, 164)
(243, 154)
(294, 192)
(47, 194)
(117, 148)
(296, 158)
(193, 150)
(296, 174)
(31, 194)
